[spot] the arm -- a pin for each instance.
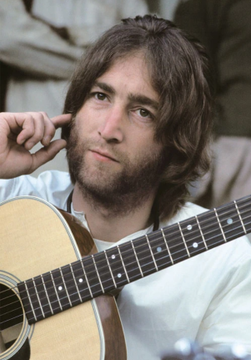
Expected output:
(19, 133)
(32, 46)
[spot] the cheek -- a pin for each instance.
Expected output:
(86, 122)
(146, 143)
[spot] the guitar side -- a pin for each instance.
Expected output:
(37, 238)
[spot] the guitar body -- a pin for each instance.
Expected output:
(36, 238)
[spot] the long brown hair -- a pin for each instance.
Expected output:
(179, 70)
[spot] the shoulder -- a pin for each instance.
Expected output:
(52, 185)
(187, 211)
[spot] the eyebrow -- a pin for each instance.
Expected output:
(105, 87)
(136, 98)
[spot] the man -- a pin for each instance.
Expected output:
(136, 125)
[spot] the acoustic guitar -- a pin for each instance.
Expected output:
(56, 290)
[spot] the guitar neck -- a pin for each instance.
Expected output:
(97, 274)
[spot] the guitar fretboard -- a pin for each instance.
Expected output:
(97, 274)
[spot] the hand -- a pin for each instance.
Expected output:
(19, 132)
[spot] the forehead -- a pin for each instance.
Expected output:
(130, 75)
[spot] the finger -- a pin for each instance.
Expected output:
(37, 127)
(26, 124)
(49, 129)
(61, 120)
(46, 154)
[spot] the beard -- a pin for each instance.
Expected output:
(121, 191)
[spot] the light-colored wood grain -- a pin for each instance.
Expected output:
(34, 240)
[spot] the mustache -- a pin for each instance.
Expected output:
(103, 148)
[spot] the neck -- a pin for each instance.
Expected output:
(107, 226)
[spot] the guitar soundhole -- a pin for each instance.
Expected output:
(11, 318)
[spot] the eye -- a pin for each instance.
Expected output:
(100, 96)
(144, 113)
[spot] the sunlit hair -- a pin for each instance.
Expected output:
(179, 72)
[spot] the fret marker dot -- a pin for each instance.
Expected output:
(230, 221)
(159, 249)
(195, 245)
(189, 227)
(80, 280)
(60, 288)
(113, 257)
(119, 275)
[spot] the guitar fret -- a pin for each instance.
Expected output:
(87, 281)
(38, 298)
(109, 267)
(46, 294)
(156, 267)
(192, 236)
(81, 280)
(30, 302)
(164, 237)
(176, 243)
(100, 282)
(128, 280)
(56, 293)
(104, 271)
(66, 290)
(212, 231)
(144, 256)
(217, 217)
(52, 294)
(92, 276)
(42, 299)
(245, 212)
(76, 285)
(34, 298)
(61, 289)
(70, 285)
(201, 232)
(159, 250)
(184, 241)
(237, 209)
(130, 261)
(136, 257)
(116, 265)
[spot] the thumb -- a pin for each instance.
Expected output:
(47, 153)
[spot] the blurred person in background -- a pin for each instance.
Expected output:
(224, 27)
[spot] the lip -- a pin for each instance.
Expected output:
(102, 155)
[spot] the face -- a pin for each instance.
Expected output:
(112, 150)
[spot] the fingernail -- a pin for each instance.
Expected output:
(46, 140)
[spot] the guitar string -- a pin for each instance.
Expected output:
(176, 231)
(55, 309)
(173, 240)
(94, 285)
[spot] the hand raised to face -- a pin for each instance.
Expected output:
(19, 133)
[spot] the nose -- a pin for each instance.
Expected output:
(111, 128)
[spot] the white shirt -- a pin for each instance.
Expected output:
(205, 299)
